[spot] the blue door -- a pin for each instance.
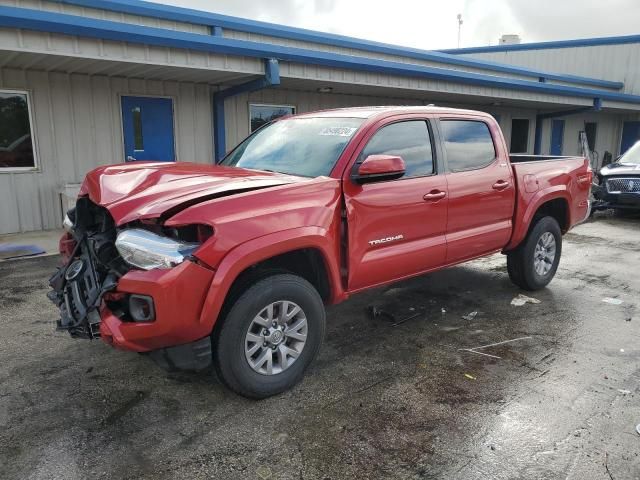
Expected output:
(630, 135)
(147, 123)
(557, 134)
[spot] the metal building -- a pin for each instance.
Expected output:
(89, 82)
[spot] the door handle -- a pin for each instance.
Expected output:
(434, 196)
(500, 185)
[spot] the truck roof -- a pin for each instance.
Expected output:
(367, 112)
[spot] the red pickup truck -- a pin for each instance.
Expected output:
(232, 264)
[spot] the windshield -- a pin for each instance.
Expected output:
(307, 147)
(632, 155)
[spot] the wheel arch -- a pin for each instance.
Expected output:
(305, 251)
(555, 203)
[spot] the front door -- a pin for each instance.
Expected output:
(147, 125)
(630, 135)
(481, 190)
(397, 227)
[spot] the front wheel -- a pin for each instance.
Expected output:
(270, 335)
(533, 264)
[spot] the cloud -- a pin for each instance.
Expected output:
(433, 25)
(560, 20)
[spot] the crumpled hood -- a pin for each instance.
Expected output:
(139, 190)
(620, 169)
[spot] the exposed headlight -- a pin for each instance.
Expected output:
(147, 250)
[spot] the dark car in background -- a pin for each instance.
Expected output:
(619, 183)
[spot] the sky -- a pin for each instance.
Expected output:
(429, 24)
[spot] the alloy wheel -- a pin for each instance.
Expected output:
(276, 337)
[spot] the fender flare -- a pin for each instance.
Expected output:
(260, 249)
(540, 198)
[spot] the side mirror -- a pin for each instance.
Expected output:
(379, 167)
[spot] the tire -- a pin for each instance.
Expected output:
(248, 318)
(521, 262)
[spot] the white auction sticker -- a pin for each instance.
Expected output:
(338, 131)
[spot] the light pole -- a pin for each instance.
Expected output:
(459, 27)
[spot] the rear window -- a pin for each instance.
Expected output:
(468, 144)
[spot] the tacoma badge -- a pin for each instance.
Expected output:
(386, 240)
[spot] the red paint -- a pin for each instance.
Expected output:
(381, 164)
(395, 229)
(139, 190)
(178, 294)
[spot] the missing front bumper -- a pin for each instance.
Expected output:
(77, 290)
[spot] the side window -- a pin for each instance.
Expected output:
(409, 140)
(468, 144)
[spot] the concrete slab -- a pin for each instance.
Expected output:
(46, 239)
(555, 396)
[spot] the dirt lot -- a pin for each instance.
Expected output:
(385, 399)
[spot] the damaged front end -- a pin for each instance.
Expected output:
(92, 268)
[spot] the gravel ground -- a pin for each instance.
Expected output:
(386, 398)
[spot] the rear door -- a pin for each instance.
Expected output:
(396, 228)
(481, 188)
(147, 126)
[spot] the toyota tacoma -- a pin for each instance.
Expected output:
(233, 264)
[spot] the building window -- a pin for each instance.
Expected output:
(261, 114)
(590, 129)
(138, 142)
(519, 135)
(16, 143)
(468, 144)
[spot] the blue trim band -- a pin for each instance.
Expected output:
(107, 30)
(582, 42)
(168, 12)
(271, 78)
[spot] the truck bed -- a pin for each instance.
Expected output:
(535, 174)
(524, 157)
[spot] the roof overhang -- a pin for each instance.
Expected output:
(115, 31)
(215, 20)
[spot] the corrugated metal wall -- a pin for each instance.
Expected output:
(608, 131)
(58, 7)
(237, 108)
(87, 55)
(254, 37)
(419, 85)
(607, 62)
(77, 127)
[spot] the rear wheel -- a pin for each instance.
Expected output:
(533, 264)
(271, 334)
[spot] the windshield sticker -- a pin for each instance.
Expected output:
(338, 131)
